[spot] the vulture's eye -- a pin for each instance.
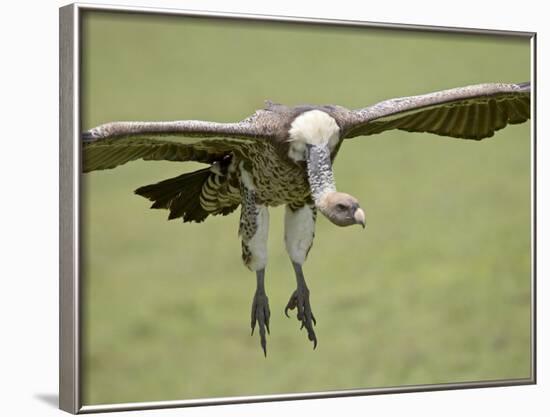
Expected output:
(341, 207)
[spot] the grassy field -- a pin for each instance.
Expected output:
(436, 289)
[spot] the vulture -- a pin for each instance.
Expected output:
(284, 155)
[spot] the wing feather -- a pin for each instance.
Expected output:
(112, 144)
(112, 153)
(472, 112)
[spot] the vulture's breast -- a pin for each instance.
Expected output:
(277, 179)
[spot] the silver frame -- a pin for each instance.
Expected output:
(69, 220)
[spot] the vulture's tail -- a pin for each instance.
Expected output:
(182, 196)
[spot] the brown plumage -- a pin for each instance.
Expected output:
(283, 155)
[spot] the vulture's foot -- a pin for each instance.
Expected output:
(260, 311)
(300, 300)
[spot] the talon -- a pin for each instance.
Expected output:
(264, 346)
(253, 318)
(300, 300)
(267, 314)
(292, 303)
(260, 314)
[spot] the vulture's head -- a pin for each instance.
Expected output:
(342, 209)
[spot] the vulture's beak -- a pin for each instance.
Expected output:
(359, 216)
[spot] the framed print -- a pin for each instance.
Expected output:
(338, 208)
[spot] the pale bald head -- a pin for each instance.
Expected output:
(341, 209)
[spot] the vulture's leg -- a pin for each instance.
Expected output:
(299, 234)
(253, 229)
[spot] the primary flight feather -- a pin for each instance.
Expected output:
(284, 155)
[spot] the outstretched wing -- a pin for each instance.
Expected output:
(472, 112)
(113, 144)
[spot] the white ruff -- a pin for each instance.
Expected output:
(314, 127)
(299, 233)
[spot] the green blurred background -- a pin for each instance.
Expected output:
(436, 289)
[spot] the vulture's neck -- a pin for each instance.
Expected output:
(319, 171)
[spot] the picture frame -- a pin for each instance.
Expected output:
(71, 288)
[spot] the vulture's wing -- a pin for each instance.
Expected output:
(113, 144)
(472, 112)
